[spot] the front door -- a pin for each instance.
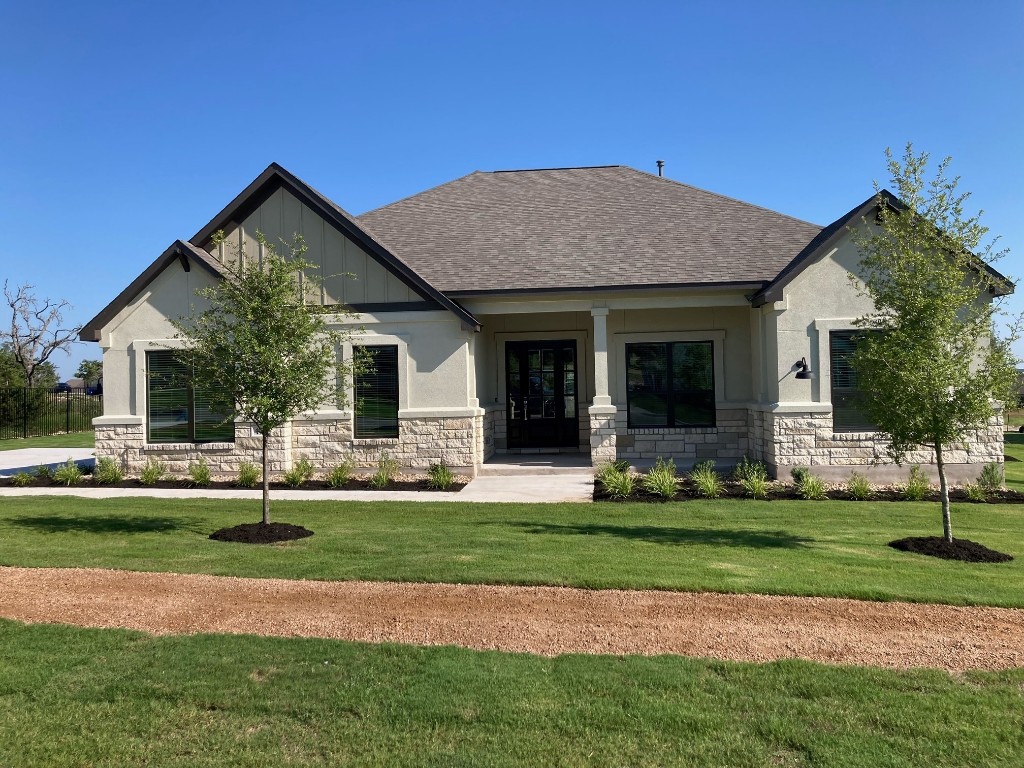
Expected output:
(540, 378)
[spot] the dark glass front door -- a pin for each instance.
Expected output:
(540, 378)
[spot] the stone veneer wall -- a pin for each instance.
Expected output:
(727, 442)
(323, 442)
(602, 438)
(785, 440)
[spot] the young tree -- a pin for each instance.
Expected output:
(935, 370)
(35, 331)
(90, 371)
(262, 349)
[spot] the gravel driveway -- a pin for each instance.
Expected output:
(542, 620)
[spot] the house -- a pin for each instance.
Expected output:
(601, 310)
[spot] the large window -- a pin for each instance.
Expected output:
(177, 413)
(847, 412)
(670, 384)
(376, 391)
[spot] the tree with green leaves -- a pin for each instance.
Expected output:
(265, 349)
(933, 369)
(90, 371)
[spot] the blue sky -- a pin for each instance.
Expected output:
(127, 125)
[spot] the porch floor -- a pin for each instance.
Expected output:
(501, 464)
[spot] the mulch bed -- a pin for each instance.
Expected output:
(788, 492)
(355, 484)
(261, 533)
(959, 549)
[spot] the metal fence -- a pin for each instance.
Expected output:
(30, 412)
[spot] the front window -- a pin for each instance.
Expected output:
(376, 391)
(848, 414)
(670, 384)
(177, 413)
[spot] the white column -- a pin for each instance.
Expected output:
(601, 396)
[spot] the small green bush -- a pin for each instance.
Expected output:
(620, 485)
(43, 472)
(859, 487)
(440, 476)
(661, 480)
(199, 473)
(622, 465)
(799, 474)
(22, 479)
(706, 480)
(107, 472)
(301, 472)
(976, 493)
(917, 487)
(812, 488)
(605, 470)
(749, 469)
(387, 468)
(153, 472)
(68, 473)
(755, 486)
(340, 474)
(249, 475)
(991, 478)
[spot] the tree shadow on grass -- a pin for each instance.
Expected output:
(108, 524)
(720, 537)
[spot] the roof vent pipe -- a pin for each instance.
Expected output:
(661, 164)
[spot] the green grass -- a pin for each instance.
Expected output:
(74, 697)
(797, 547)
(1014, 450)
(1015, 418)
(69, 440)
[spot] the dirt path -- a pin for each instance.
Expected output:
(542, 620)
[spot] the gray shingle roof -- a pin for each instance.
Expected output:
(584, 228)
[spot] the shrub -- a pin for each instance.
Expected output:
(620, 485)
(43, 472)
(249, 475)
(340, 474)
(68, 473)
(661, 480)
(301, 472)
(153, 472)
(440, 476)
(917, 487)
(22, 479)
(859, 487)
(706, 480)
(755, 486)
(991, 478)
(749, 469)
(812, 488)
(611, 468)
(622, 465)
(107, 471)
(975, 492)
(387, 468)
(199, 473)
(799, 474)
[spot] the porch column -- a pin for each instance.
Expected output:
(602, 412)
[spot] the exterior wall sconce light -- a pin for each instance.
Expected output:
(803, 371)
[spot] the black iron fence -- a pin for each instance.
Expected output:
(30, 412)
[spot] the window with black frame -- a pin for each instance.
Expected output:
(848, 414)
(176, 412)
(670, 384)
(376, 391)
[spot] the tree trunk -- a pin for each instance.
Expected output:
(266, 483)
(947, 526)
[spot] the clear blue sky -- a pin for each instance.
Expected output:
(127, 125)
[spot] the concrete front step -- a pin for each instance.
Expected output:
(506, 465)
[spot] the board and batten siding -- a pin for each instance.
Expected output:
(350, 275)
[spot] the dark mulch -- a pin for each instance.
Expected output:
(261, 533)
(313, 485)
(959, 549)
(788, 493)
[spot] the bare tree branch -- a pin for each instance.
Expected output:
(36, 329)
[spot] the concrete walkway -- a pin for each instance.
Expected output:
(537, 486)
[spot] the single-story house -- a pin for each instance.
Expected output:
(603, 311)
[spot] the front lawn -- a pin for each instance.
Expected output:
(72, 697)
(1013, 448)
(780, 547)
(69, 440)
